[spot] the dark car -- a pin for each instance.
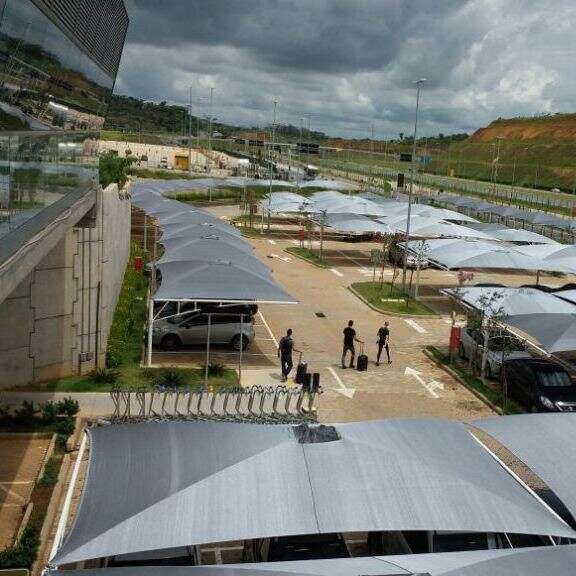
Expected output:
(540, 385)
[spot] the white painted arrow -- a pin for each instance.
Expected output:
(348, 392)
(435, 385)
(431, 389)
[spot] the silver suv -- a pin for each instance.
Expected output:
(472, 346)
(172, 333)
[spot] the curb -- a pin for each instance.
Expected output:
(305, 259)
(461, 380)
(394, 314)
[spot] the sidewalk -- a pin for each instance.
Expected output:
(92, 404)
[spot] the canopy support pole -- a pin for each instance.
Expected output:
(241, 349)
(150, 328)
(207, 367)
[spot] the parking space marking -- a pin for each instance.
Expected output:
(283, 258)
(268, 328)
(336, 272)
(416, 326)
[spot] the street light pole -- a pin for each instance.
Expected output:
(413, 176)
(271, 162)
(210, 131)
(190, 131)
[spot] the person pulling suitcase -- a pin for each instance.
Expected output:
(285, 349)
(349, 339)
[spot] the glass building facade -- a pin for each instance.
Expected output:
(58, 66)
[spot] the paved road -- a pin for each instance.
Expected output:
(382, 391)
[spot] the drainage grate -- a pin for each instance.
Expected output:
(320, 314)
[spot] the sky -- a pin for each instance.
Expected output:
(348, 66)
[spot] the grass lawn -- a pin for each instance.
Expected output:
(372, 293)
(131, 376)
(306, 254)
(163, 174)
(491, 393)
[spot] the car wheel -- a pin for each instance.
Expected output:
(461, 351)
(235, 343)
(171, 342)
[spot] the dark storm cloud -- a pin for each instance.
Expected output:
(351, 63)
(315, 35)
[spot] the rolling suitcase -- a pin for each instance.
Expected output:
(301, 371)
(362, 362)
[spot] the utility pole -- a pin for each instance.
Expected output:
(190, 130)
(495, 167)
(210, 130)
(372, 154)
(413, 176)
(271, 161)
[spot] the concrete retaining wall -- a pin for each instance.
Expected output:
(56, 322)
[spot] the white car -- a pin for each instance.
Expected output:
(472, 346)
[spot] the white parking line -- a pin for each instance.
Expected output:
(336, 272)
(268, 328)
(272, 242)
(416, 326)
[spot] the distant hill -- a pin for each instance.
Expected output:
(557, 127)
(134, 115)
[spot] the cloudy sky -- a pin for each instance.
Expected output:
(350, 64)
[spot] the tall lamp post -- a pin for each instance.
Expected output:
(413, 176)
(271, 162)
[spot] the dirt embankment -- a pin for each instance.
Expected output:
(559, 128)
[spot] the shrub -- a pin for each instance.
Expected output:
(215, 369)
(113, 169)
(26, 414)
(68, 407)
(171, 378)
(65, 427)
(113, 360)
(105, 376)
(49, 412)
(22, 554)
(50, 476)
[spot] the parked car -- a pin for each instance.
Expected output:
(173, 332)
(540, 385)
(397, 257)
(472, 346)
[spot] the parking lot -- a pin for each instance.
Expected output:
(413, 385)
(22, 458)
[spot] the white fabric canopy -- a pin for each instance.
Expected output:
(512, 301)
(171, 484)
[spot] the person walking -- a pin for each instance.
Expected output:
(383, 342)
(285, 349)
(349, 339)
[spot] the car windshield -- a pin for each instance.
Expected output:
(554, 378)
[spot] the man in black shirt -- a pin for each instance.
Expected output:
(285, 348)
(383, 342)
(349, 339)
